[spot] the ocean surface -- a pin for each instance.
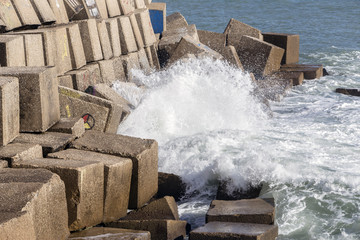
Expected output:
(210, 127)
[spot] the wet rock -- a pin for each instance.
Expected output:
(230, 55)
(347, 91)
(296, 77)
(225, 192)
(215, 41)
(171, 185)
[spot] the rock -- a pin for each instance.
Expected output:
(311, 71)
(163, 208)
(84, 185)
(16, 152)
(43, 11)
(26, 12)
(12, 50)
(127, 38)
(146, 29)
(99, 233)
(33, 205)
(157, 13)
(176, 20)
(225, 192)
(215, 41)
(221, 231)
(9, 16)
(296, 77)
(325, 72)
(77, 53)
(136, 30)
(39, 98)
(159, 229)
(143, 153)
(231, 56)
(59, 10)
(113, 8)
(171, 185)
(347, 91)
(9, 109)
(117, 173)
(288, 42)
(104, 39)
(73, 126)
(3, 164)
(114, 35)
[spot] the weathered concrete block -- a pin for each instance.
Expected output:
(39, 98)
(236, 29)
(245, 211)
(33, 205)
(73, 7)
(12, 51)
(139, 4)
(171, 185)
(117, 173)
(101, 4)
(146, 29)
(84, 186)
(154, 56)
(114, 35)
(273, 89)
(94, 71)
(113, 8)
(176, 20)
(215, 41)
(77, 53)
(107, 71)
(73, 126)
(149, 57)
(65, 81)
(9, 16)
(98, 233)
(157, 13)
(89, 10)
(104, 39)
(136, 30)
(50, 141)
(226, 230)
(34, 51)
(147, 2)
(126, 6)
(90, 39)
(43, 11)
(311, 71)
(296, 77)
(259, 57)
(144, 62)
(59, 10)
(15, 152)
(120, 70)
(26, 12)
(130, 62)
(143, 153)
(3, 164)
(9, 109)
(63, 59)
(288, 42)
(85, 77)
(127, 38)
(159, 229)
(231, 56)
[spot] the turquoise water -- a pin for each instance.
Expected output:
(210, 127)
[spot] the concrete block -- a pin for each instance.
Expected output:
(26, 12)
(73, 7)
(235, 29)
(273, 89)
(65, 81)
(33, 205)
(230, 55)
(136, 30)
(50, 141)
(34, 51)
(157, 13)
(126, 6)
(3, 164)
(101, 4)
(73, 126)
(127, 38)
(259, 57)
(189, 30)
(296, 77)
(104, 40)
(84, 187)
(215, 41)
(348, 91)
(149, 57)
(90, 39)
(227, 230)
(114, 35)
(12, 51)
(117, 173)
(63, 59)
(226, 190)
(89, 10)
(107, 71)
(9, 110)
(130, 62)
(143, 153)
(146, 29)
(39, 98)
(159, 229)
(120, 74)
(43, 11)
(9, 16)
(98, 233)
(176, 20)
(139, 4)
(113, 8)
(154, 56)
(88, 75)
(245, 211)
(59, 10)
(144, 62)
(170, 185)
(288, 42)
(94, 70)
(147, 2)
(16, 152)
(311, 71)
(77, 53)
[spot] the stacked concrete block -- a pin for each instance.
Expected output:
(39, 98)
(288, 42)
(9, 109)
(144, 22)
(65, 81)
(144, 62)
(127, 38)
(89, 9)
(73, 126)
(63, 59)
(215, 41)
(230, 55)
(130, 62)
(34, 51)
(104, 39)
(114, 35)
(117, 173)
(139, 4)
(136, 30)
(101, 4)
(58, 8)
(154, 56)
(80, 79)
(73, 7)
(113, 8)
(120, 70)
(94, 72)
(126, 6)
(176, 20)
(12, 51)
(15, 152)
(107, 71)
(98, 233)
(296, 77)
(90, 39)
(311, 71)
(43, 11)
(26, 12)
(84, 187)
(157, 13)
(77, 53)
(9, 16)
(143, 153)
(259, 57)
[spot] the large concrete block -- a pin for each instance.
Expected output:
(65, 81)
(9, 16)
(87, 76)
(117, 173)
(311, 71)
(144, 62)
(171, 185)
(143, 153)
(12, 51)
(149, 57)
(91, 41)
(157, 13)
(107, 71)
(176, 20)
(9, 109)
(259, 57)
(273, 89)
(288, 42)
(146, 29)
(101, 4)
(73, 7)
(94, 71)
(114, 35)
(215, 41)
(77, 53)
(226, 230)
(139, 4)
(63, 59)
(230, 55)
(120, 69)
(26, 12)
(130, 62)
(33, 205)
(98, 233)
(84, 186)
(126, 6)
(245, 211)
(113, 8)
(39, 98)
(73, 126)
(43, 11)
(15, 152)
(235, 29)
(59, 10)
(127, 38)
(136, 30)
(296, 77)
(154, 56)
(104, 39)
(89, 10)
(34, 51)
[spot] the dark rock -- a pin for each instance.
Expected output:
(171, 185)
(223, 192)
(352, 92)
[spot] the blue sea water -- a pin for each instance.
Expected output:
(210, 127)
